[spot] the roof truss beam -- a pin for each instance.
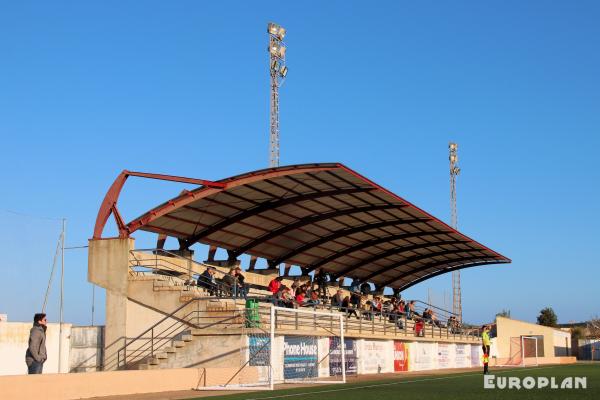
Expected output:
(311, 220)
(351, 231)
(432, 264)
(395, 251)
(266, 206)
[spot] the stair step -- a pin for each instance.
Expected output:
(178, 343)
(161, 355)
(147, 366)
(187, 338)
(153, 361)
(169, 349)
(196, 332)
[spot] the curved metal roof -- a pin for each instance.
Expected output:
(314, 216)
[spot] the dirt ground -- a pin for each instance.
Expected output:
(188, 394)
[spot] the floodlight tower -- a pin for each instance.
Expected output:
(454, 172)
(278, 72)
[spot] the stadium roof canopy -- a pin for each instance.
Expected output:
(313, 216)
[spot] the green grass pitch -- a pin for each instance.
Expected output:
(460, 386)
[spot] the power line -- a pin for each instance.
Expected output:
(30, 215)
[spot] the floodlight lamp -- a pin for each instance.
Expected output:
(276, 30)
(453, 158)
(277, 50)
(283, 72)
(453, 146)
(275, 65)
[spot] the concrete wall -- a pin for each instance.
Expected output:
(87, 346)
(509, 328)
(93, 384)
(14, 339)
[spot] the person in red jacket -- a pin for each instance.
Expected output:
(274, 285)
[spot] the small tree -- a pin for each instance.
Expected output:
(504, 313)
(593, 327)
(547, 317)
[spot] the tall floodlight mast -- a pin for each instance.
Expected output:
(278, 72)
(454, 172)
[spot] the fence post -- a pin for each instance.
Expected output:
(360, 321)
(125, 354)
(152, 342)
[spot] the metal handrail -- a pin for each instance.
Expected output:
(150, 330)
(177, 268)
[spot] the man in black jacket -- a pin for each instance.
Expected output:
(36, 351)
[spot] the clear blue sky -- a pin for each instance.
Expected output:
(90, 88)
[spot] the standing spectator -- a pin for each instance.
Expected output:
(321, 279)
(348, 307)
(355, 285)
(241, 280)
(36, 351)
(365, 288)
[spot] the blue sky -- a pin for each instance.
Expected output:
(88, 89)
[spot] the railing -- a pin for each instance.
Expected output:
(156, 262)
(171, 328)
(357, 322)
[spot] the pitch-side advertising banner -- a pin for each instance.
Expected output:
(376, 356)
(300, 355)
(422, 356)
(463, 356)
(446, 355)
(335, 356)
(259, 350)
(476, 354)
(400, 356)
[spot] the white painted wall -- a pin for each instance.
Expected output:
(14, 338)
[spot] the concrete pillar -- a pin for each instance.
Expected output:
(108, 267)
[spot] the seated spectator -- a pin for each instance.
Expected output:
(300, 297)
(376, 306)
(284, 297)
(366, 308)
(410, 310)
(275, 285)
(296, 284)
(338, 298)
(208, 281)
(313, 300)
(401, 308)
(434, 319)
(426, 315)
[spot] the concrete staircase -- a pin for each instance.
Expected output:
(222, 327)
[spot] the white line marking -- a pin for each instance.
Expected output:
(391, 384)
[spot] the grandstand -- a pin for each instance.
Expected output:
(314, 216)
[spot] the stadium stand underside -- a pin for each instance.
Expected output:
(312, 216)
